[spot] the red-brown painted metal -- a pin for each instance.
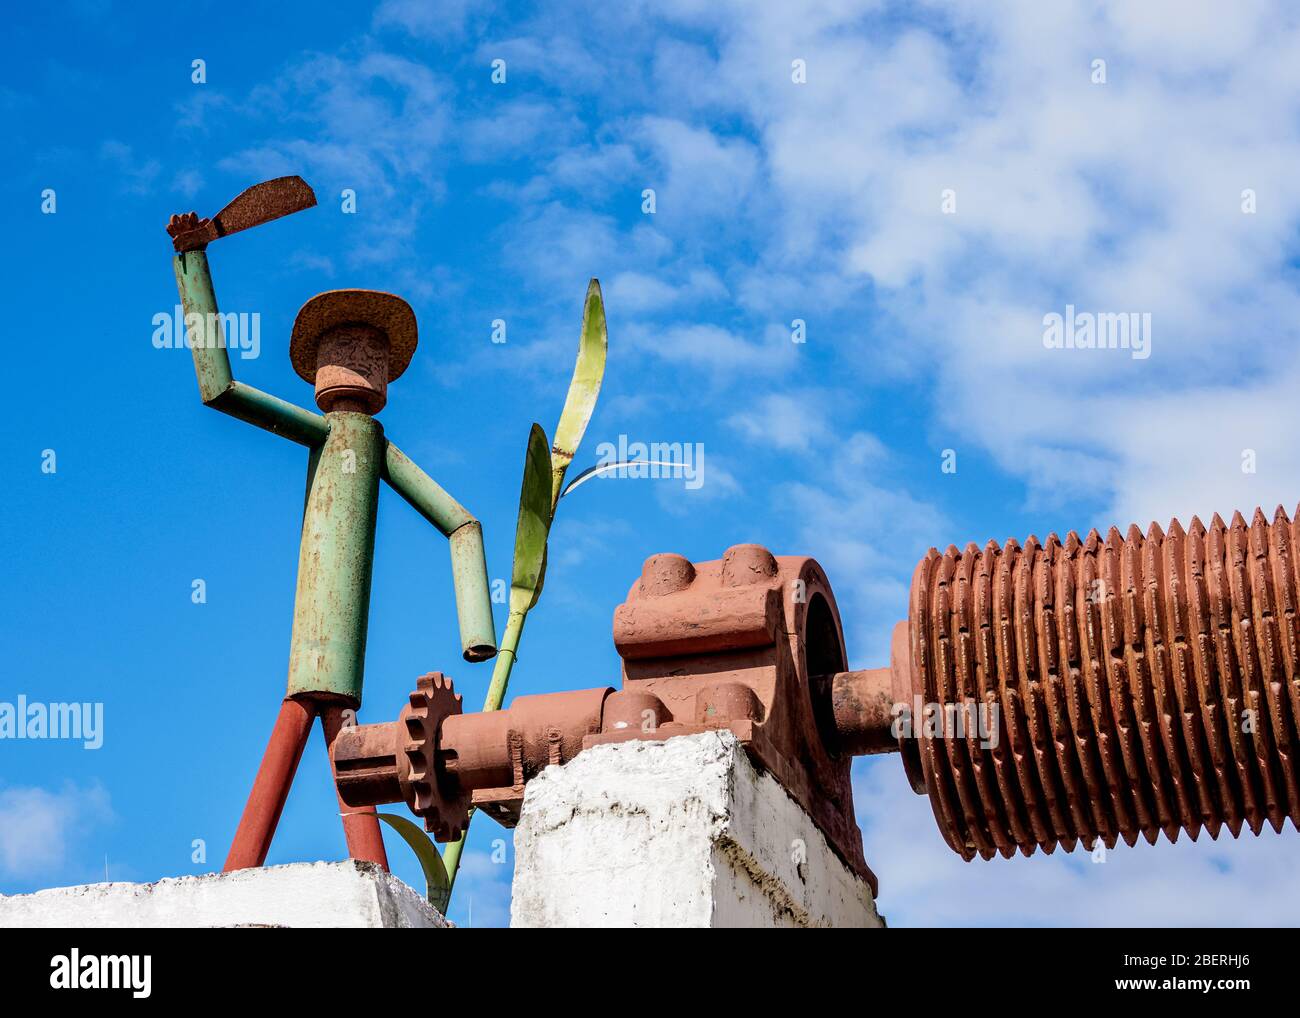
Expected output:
(748, 643)
(360, 824)
(1110, 689)
(271, 786)
(253, 206)
(1142, 684)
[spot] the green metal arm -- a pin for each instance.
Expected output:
(219, 390)
(217, 387)
(478, 638)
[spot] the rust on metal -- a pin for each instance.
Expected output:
(271, 786)
(748, 643)
(360, 826)
(1143, 684)
(1113, 688)
(258, 204)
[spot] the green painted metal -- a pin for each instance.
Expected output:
(533, 525)
(436, 882)
(478, 635)
(451, 856)
(531, 532)
(217, 387)
(478, 638)
(423, 493)
(508, 651)
(540, 493)
(584, 388)
(332, 604)
(203, 328)
(313, 458)
(348, 456)
(272, 414)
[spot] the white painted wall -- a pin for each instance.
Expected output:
(679, 833)
(334, 894)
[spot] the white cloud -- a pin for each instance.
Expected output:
(867, 532)
(483, 886)
(428, 19)
(789, 422)
(38, 826)
(706, 176)
(137, 175)
(721, 352)
(1123, 196)
(643, 292)
(372, 121)
(1247, 882)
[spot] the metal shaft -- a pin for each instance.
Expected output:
(1134, 684)
(360, 824)
(271, 786)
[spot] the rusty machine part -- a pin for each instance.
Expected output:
(1040, 695)
(1143, 684)
(401, 762)
(747, 643)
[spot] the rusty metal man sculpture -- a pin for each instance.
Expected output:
(350, 344)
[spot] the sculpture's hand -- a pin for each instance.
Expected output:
(190, 233)
(253, 206)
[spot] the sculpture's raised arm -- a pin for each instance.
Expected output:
(204, 324)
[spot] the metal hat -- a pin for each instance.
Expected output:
(332, 308)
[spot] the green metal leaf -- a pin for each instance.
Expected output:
(438, 885)
(534, 524)
(588, 373)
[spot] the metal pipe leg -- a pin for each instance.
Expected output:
(360, 824)
(271, 787)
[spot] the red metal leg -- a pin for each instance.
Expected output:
(360, 824)
(271, 787)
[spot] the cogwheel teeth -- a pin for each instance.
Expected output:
(441, 805)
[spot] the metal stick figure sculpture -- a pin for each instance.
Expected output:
(350, 344)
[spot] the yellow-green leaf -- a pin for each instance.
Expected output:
(533, 525)
(584, 388)
(437, 884)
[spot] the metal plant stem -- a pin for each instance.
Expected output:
(496, 694)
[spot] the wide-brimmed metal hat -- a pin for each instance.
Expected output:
(332, 308)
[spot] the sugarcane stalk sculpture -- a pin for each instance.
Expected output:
(543, 483)
(350, 344)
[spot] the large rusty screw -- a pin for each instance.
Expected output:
(1141, 684)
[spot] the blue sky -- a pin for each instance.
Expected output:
(774, 201)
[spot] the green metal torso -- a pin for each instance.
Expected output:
(332, 604)
(348, 457)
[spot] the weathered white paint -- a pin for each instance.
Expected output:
(355, 894)
(683, 832)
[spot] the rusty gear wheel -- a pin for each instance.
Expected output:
(430, 792)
